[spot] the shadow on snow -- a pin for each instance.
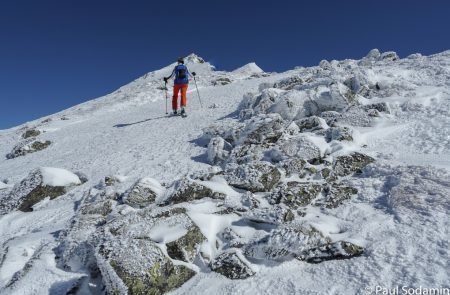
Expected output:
(139, 122)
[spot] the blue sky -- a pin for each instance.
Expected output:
(58, 53)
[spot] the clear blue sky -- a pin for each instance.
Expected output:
(57, 53)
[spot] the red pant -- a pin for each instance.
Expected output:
(176, 89)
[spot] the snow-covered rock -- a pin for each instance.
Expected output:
(28, 146)
(30, 133)
(143, 193)
(255, 176)
(41, 183)
(232, 265)
(186, 190)
(286, 242)
(349, 164)
(216, 150)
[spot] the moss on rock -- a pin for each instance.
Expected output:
(38, 194)
(31, 133)
(186, 247)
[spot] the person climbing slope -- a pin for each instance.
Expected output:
(181, 74)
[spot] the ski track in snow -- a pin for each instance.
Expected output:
(127, 133)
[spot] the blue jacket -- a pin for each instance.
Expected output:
(177, 71)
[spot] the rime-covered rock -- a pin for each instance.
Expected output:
(349, 164)
(373, 54)
(264, 129)
(334, 97)
(339, 133)
(389, 56)
(301, 146)
(294, 166)
(188, 246)
(101, 208)
(275, 215)
(295, 194)
(255, 176)
(231, 239)
(381, 107)
(311, 124)
(335, 195)
(333, 251)
(285, 242)
(143, 193)
(216, 152)
(38, 185)
(289, 105)
(354, 83)
(355, 116)
(229, 132)
(232, 265)
(325, 65)
(186, 190)
(289, 83)
(138, 266)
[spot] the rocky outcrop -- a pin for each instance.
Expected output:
(389, 56)
(27, 147)
(31, 133)
(221, 81)
(289, 83)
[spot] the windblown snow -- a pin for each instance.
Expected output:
(331, 179)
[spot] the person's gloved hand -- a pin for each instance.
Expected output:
(194, 74)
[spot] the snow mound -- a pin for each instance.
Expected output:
(58, 177)
(250, 68)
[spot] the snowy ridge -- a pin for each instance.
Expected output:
(337, 174)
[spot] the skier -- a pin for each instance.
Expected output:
(181, 82)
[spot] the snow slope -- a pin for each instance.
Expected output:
(400, 214)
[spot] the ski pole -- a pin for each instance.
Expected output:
(165, 89)
(198, 93)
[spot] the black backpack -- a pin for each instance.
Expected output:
(181, 72)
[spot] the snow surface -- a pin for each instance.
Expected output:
(4, 185)
(58, 177)
(400, 215)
